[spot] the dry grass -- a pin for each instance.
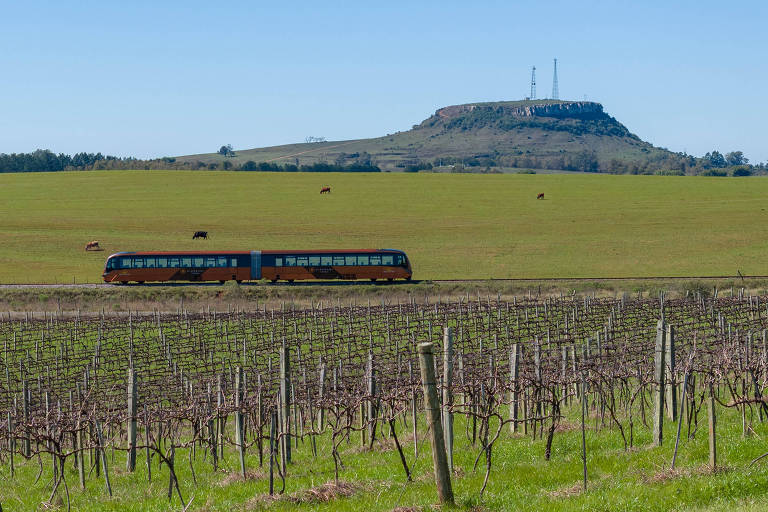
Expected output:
(235, 476)
(567, 492)
(324, 493)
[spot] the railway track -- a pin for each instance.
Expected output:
(385, 283)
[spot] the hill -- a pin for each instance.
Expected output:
(538, 134)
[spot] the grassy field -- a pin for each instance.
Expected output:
(638, 479)
(451, 226)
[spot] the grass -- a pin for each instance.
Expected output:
(638, 479)
(451, 226)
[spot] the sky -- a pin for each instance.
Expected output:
(150, 79)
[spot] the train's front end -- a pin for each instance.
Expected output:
(111, 268)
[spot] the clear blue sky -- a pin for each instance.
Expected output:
(157, 78)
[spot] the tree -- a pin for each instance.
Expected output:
(736, 158)
(715, 159)
(226, 150)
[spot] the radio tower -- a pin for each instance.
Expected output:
(555, 91)
(533, 83)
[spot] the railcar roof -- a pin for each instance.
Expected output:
(213, 253)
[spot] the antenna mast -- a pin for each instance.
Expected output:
(555, 90)
(533, 83)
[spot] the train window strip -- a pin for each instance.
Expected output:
(130, 262)
(342, 260)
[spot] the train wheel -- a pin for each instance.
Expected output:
(290, 280)
(140, 282)
(123, 282)
(239, 281)
(373, 279)
(390, 279)
(222, 281)
(274, 280)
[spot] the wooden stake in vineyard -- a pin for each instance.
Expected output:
(432, 408)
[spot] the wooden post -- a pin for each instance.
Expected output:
(239, 419)
(448, 394)
(658, 408)
(103, 457)
(413, 412)
(11, 442)
(584, 430)
(669, 351)
(321, 412)
(25, 410)
(132, 396)
(432, 409)
(712, 420)
(514, 372)
(371, 413)
(285, 401)
(272, 448)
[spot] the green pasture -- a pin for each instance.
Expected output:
(451, 226)
(638, 479)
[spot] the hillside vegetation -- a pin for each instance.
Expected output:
(451, 225)
(537, 134)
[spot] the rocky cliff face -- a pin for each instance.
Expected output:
(575, 117)
(574, 109)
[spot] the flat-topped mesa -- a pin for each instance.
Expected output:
(575, 109)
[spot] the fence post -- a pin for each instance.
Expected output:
(432, 408)
(448, 394)
(669, 351)
(712, 420)
(239, 418)
(514, 370)
(285, 401)
(131, 461)
(658, 408)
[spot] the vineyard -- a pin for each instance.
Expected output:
(261, 386)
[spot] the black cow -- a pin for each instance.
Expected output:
(200, 234)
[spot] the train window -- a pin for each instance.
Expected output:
(375, 259)
(221, 261)
(387, 259)
(290, 261)
(338, 260)
(363, 259)
(234, 262)
(399, 260)
(162, 262)
(210, 262)
(186, 262)
(173, 262)
(301, 261)
(326, 261)
(350, 259)
(150, 262)
(125, 263)
(314, 261)
(197, 262)
(138, 262)
(278, 262)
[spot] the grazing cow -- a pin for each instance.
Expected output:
(540, 196)
(92, 246)
(200, 234)
(325, 189)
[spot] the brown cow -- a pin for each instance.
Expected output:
(540, 196)
(325, 189)
(92, 246)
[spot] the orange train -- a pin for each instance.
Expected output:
(373, 264)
